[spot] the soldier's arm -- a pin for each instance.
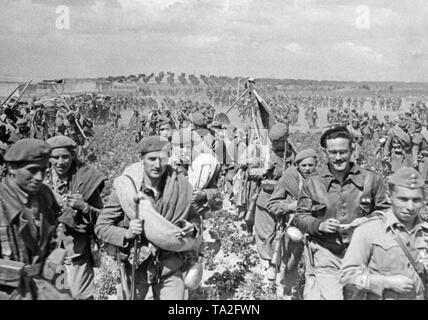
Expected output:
(277, 203)
(416, 143)
(378, 192)
(106, 227)
(354, 269)
(303, 218)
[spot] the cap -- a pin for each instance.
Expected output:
(153, 143)
(278, 131)
(28, 150)
(304, 154)
(61, 142)
(330, 130)
(407, 177)
(198, 119)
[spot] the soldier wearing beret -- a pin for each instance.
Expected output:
(339, 194)
(265, 173)
(77, 188)
(283, 203)
(388, 255)
(170, 193)
(28, 222)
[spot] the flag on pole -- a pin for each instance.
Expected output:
(266, 115)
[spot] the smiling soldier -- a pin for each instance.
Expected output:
(77, 188)
(331, 203)
(387, 257)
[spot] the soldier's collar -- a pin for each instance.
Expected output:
(391, 221)
(353, 174)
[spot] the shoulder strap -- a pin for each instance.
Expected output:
(410, 258)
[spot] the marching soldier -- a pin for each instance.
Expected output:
(331, 202)
(267, 175)
(283, 202)
(387, 257)
(77, 188)
(398, 146)
(170, 195)
(28, 222)
(420, 151)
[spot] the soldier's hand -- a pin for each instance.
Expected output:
(187, 229)
(134, 230)
(415, 164)
(75, 201)
(399, 283)
(329, 226)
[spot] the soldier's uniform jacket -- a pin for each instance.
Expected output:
(323, 197)
(398, 141)
(374, 254)
(276, 167)
(420, 146)
(28, 225)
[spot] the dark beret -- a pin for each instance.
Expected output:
(278, 131)
(154, 143)
(28, 150)
(61, 142)
(330, 130)
(407, 177)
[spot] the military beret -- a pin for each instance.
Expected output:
(152, 144)
(407, 177)
(28, 150)
(61, 142)
(198, 119)
(278, 131)
(306, 153)
(330, 130)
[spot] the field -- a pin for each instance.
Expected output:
(232, 268)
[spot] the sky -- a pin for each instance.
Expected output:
(371, 40)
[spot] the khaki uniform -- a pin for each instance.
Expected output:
(374, 254)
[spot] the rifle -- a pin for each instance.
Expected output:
(9, 96)
(124, 293)
(137, 199)
(251, 212)
(20, 95)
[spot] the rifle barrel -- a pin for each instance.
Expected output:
(7, 99)
(20, 95)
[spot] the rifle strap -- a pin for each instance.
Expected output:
(410, 258)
